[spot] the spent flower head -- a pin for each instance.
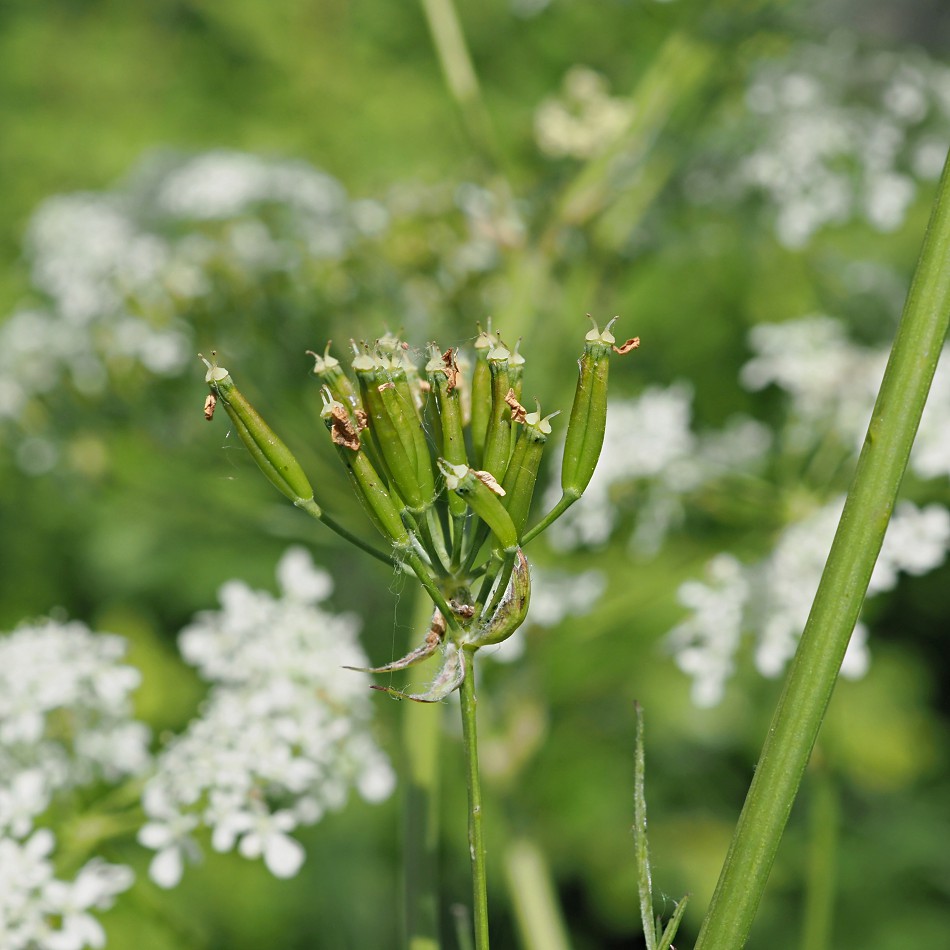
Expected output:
(444, 462)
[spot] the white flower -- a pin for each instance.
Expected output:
(649, 440)
(771, 600)
(283, 734)
(172, 840)
(834, 129)
(38, 910)
(705, 643)
(50, 670)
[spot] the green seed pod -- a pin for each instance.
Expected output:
(369, 487)
(273, 458)
(522, 474)
(511, 610)
(405, 416)
(481, 493)
(442, 373)
(389, 431)
(498, 432)
(481, 393)
(585, 431)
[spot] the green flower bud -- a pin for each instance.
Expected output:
(273, 458)
(481, 493)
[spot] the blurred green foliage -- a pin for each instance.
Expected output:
(148, 516)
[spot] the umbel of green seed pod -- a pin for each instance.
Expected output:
(585, 431)
(273, 458)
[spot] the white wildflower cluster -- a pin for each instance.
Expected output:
(65, 722)
(38, 911)
(65, 716)
(768, 602)
(584, 119)
(649, 442)
(282, 736)
(841, 134)
(832, 384)
(123, 272)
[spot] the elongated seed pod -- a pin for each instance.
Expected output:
(484, 500)
(369, 486)
(442, 373)
(481, 394)
(585, 431)
(392, 444)
(498, 432)
(273, 458)
(522, 474)
(405, 415)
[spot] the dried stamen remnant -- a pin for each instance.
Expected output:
(341, 429)
(451, 370)
(518, 412)
(631, 344)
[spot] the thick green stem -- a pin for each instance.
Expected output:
(476, 842)
(841, 592)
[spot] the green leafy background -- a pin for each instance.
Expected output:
(148, 516)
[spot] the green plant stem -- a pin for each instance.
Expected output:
(421, 732)
(476, 842)
(824, 814)
(315, 511)
(534, 898)
(563, 504)
(640, 840)
(844, 583)
(460, 77)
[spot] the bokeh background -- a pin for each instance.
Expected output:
(260, 178)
